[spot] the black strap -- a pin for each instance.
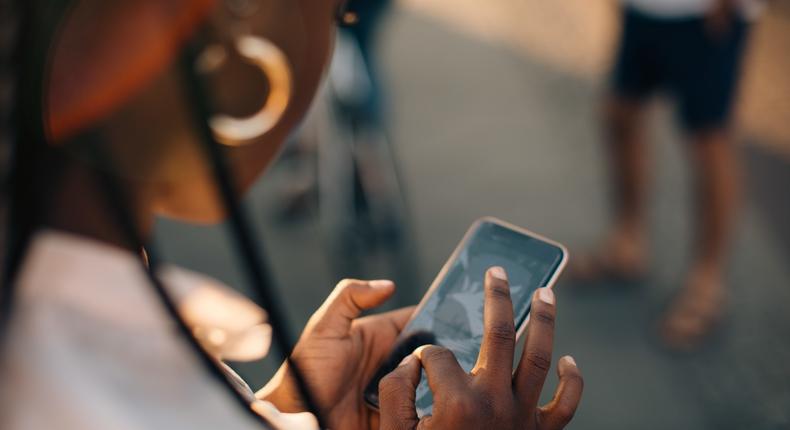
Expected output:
(31, 164)
(249, 248)
(38, 35)
(116, 200)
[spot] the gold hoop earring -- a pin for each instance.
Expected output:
(238, 131)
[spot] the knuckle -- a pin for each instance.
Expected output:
(502, 333)
(344, 294)
(495, 409)
(499, 290)
(565, 411)
(539, 360)
(544, 317)
(437, 353)
(460, 404)
(489, 408)
(391, 385)
(345, 284)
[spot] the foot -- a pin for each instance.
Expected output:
(696, 311)
(623, 256)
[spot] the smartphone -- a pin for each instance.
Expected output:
(451, 313)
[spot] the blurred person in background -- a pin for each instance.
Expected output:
(351, 108)
(91, 340)
(365, 34)
(693, 49)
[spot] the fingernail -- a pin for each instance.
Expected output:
(569, 360)
(546, 295)
(381, 284)
(498, 273)
(406, 360)
(418, 352)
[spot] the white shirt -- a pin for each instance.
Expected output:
(91, 347)
(689, 8)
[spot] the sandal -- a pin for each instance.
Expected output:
(618, 260)
(694, 314)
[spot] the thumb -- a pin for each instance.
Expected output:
(347, 301)
(396, 396)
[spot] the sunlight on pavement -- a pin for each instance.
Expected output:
(577, 37)
(765, 90)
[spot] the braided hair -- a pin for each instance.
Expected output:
(9, 29)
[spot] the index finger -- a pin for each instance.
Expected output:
(396, 396)
(499, 333)
(445, 376)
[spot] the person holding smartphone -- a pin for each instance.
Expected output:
(88, 343)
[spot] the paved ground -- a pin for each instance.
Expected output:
(578, 36)
(483, 131)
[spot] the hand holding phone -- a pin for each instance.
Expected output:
(472, 316)
(491, 396)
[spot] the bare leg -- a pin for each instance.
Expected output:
(718, 182)
(624, 124)
(624, 249)
(700, 305)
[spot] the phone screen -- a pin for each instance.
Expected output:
(452, 315)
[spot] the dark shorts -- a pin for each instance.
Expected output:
(680, 56)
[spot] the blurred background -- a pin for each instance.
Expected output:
(438, 112)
